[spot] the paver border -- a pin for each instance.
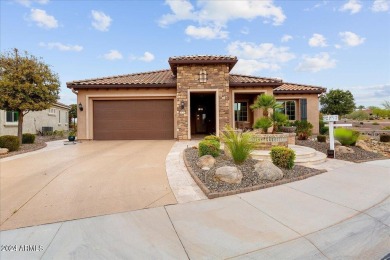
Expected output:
(213, 195)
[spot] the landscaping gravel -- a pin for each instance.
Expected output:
(250, 177)
(359, 154)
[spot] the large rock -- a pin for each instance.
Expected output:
(337, 143)
(229, 174)
(362, 144)
(268, 171)
(3, 151)
(344, 149)
(206, 162)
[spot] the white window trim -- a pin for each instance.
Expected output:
(9, 124)
(285, 110)
(247, 110)
(52, 112)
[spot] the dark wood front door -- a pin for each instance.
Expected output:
(133, 119)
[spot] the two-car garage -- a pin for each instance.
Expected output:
(151, 119)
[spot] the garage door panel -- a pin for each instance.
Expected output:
(133, 119)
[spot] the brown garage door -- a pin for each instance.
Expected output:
(133, 119)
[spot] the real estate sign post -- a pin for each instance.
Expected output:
(331, 119)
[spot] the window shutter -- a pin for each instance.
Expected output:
(303, 104)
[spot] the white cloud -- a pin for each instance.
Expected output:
(216, 14)
(113, 55)
(317, 40)
(351, 39)
(148, 57)
(353, 6)
(256, 57)
(27, 3)
(316, 63)
(286, 38)
(245, 30)
(372, 95)
(264, 51)
(42, 19)
(100, 21)
(61, 47)
(337, 46)
(380, 6)
(206, 32)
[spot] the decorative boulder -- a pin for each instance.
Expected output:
(206, 162)
(3, 151)
(268, 171)
(361, 144)
(229, 174)
(337, 143)
(344, 149)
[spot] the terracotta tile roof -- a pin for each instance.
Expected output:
(238, 80)
(298, 88)
(160, 78)
(201, 59)
(191, 58)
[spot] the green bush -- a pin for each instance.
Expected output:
(358, 115)
(10, 142)
(346, 136)
(209, 147)
(386, 128)
(28, 139)
(212, 138)
(239, 144)
(375, 123)
(385, 138)
(60, 133)
(324, 130)
(72, 133)
(321, 138)
(263, 123)
(283, 157)
(304, 129)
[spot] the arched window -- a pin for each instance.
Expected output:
(202, 76)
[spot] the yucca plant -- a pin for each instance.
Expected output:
(239, 144)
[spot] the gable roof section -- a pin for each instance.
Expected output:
(201, 59)
(160, 78)
(237, 80)
(292, 88)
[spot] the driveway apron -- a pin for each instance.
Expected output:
(84, 180)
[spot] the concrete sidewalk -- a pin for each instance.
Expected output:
(344, 213)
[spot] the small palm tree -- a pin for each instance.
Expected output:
(264, 102)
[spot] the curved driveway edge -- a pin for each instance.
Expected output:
(341, 214)
(182, 184)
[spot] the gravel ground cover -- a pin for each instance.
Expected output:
(359, 154)
(250, 177)
(40, 142)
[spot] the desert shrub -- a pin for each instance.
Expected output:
(209, 147)
(263, 123)
(385, 138)
(239, 144)
(212, 138)
(28, 139)
(60, 133)
(346, 136)
(304, 129)
(375, 123)
(10, 142)
(386, 128)
(72, 133)
(321, 138)
(358, 115)
(283, 157)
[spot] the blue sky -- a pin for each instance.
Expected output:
(333, 44)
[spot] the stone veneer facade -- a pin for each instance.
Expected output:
(188, 79)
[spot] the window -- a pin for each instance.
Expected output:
(241, 111)
(203, 76)
(52, 111)
(12, 116)
(288, 108)
(59, 116)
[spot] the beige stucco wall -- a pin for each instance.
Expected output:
(87, 96)
(34, 121)
(188, 81)
(312, 107)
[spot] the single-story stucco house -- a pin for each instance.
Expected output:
(197, 95)
(56, 117)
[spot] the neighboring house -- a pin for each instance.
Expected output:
(197, 95)
(56, 117)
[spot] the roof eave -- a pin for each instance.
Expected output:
(173, 63)
(299, 91)
(243, 84)
(87, 86)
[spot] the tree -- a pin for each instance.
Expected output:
(264, 102)
(337, 102)
(26, 84)
(386, 104)
(72, 114)
(360, 107)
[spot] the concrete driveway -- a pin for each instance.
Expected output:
(83, 180)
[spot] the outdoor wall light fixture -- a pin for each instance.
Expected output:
(81, 107)
(182, 105)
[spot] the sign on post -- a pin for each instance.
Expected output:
(331, 119)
